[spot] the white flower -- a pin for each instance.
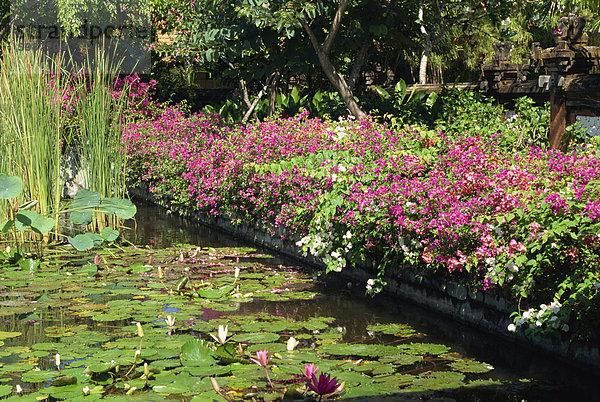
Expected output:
(512, 267)
(512, 328)
(18, 389)
(342, 168)
(222, 335)
(86, 390)
(348, 235)
(370, 284)
(565, 328)
(170, 321)
(490, 260)
(528, 314)
(336, 255)
(292, 343)
(538, 323)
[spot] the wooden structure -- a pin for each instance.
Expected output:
(561, 76)
(564, 79)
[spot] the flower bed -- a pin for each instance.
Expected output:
(523, 225)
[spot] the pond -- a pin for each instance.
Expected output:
(136, 323)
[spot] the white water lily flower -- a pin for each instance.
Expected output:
(57, 360)
(221, 335)
(292, 343)
(236, 273)
(86, 390)
(170, 321)
(18, 389)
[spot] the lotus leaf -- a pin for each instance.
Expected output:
(10, 186)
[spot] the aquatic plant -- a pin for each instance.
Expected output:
(326, 385)
(262, 360)
(30, 126)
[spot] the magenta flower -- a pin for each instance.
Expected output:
(262, 358)
(325, 385)
(310, 370)
(558, 32)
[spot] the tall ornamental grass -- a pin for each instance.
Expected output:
(43, 106)
(31, 93)
(100, 113)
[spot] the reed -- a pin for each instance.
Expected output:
(31, 94)
(100, 112)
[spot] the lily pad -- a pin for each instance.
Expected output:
(197, 353)
(257, 337)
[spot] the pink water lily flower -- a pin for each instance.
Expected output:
(310, 370)
(324, 385)
(262, 358)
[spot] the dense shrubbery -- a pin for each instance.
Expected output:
(466, 204)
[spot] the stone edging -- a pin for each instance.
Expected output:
(485, 311)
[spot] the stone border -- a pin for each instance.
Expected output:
(487, 312)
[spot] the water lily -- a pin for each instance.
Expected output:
(325, 385)
(170, 321)
(310, 370)
(57, 361)
(221, 335)
(262, 359)
(97, 259)
(292, 343)
(140, 330)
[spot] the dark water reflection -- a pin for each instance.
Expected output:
(551, 379)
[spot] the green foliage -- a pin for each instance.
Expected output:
(84, 205)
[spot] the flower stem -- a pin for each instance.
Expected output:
(269, 378)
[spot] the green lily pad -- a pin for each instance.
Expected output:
(5, 389)
(257, 337)
(7, 335)
(392, 329)
(197, 353)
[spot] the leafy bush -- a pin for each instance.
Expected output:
(521, 223)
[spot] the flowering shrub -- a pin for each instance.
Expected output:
(521, 224)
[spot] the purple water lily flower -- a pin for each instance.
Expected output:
(325, 385)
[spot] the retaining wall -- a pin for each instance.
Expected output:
(476, 308)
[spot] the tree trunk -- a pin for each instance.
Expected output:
(426, 50)
(423, 66)
(360, 59)
(334, 77)
(273, 94)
